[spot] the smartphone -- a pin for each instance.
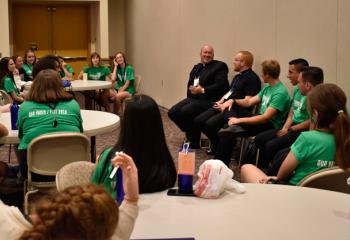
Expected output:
(175, 192)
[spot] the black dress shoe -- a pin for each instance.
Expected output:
(194, 145)
(210, 151)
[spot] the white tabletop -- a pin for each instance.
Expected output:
(265, 211)
(81, 85)
(94, 123)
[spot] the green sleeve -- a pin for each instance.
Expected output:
(23, 111)
(101, 174)
(261, 93)
(130, 73)
(86, 69)
(70, 69)
(300, 148)
(9, 86)
(76, 109)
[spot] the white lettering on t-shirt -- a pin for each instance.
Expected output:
(298, 105)
(324, 163)
(42, 112)
(95, 76)
(265, 100)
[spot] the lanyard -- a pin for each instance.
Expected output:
(124, 75)
(53, 106)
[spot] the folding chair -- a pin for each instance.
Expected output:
(48, 153)
(333, 179)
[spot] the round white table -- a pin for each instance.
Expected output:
(94, 123)
(265, 211)
(81, 85)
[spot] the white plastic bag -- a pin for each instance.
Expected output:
(214, 177)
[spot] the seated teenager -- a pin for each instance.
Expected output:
(124, 76)
(7, 82)
(19, 66)
(145, 142)
(95, 71)
(66, 71)
(78, 212)
(274, 101)
(326, 144)
(272, 141)
(29, 62)
(47, 109)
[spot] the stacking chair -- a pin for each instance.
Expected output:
(137, 84)
(333, 179)
(7, 98)
(73, 174)
(48, 153)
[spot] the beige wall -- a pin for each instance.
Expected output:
(116, 26)
(163, 38)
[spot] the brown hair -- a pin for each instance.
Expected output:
(329, 101)
(271, 68)
(87, 212)
(47, 88)
(123, 54)
(94, 54)
(247, 58)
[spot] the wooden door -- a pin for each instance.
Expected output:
(60, 29)
(31, 27)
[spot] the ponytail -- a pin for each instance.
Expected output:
(342, 136)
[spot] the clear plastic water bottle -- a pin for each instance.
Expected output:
(14, 115)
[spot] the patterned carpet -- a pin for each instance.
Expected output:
(173, 135)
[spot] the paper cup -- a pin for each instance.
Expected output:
(85, 76)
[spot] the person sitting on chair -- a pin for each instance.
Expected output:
(145, 143)
(326, 144)
(274, 100)
(207, 83)
(48, 108)
(124, 76)
(78, 212)
(245, 84)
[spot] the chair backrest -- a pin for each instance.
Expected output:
(333, 179)
(48, 153)
(73, 174)
(7, 98)
(137, 83)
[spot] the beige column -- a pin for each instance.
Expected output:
(4, 29)
(104, 44)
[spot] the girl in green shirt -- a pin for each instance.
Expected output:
(7, 83)
(327, 143)
(29, 61)
(123, 75)
(96, 71)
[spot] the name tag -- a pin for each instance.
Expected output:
(196, 82)
(227, 95)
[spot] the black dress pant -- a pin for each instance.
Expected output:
(211, 121)
(183, 114)
(269, 144)
(228, 139)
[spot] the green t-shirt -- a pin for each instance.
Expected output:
(102, 172)
(28, 69)
(69, 69)
(124, 74)
(300, 113)
(314, 150)
(97, 73)
(278, 98)
(35, 119)
(9, 85)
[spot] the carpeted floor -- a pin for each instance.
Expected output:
(173, 135)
